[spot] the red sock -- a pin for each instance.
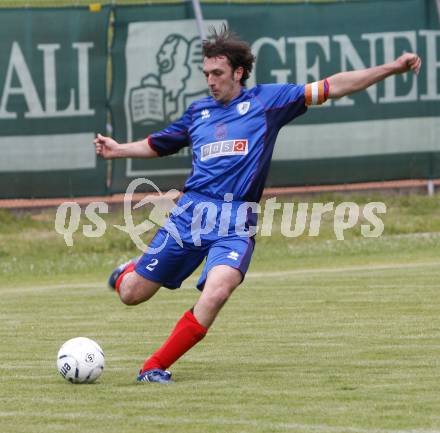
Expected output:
(130, 268)
(187, 333)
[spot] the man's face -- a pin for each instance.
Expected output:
(223, 82)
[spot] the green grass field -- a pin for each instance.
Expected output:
(323, 336)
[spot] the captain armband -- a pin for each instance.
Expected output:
(316, 93)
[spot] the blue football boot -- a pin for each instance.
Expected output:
(119, 270)
(155, 375)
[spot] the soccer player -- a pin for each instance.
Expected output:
(232, 134)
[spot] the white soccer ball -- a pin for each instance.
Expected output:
(80, 360)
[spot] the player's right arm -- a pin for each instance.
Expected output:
(109, 148)
(166, 142)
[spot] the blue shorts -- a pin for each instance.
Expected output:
(205, 228)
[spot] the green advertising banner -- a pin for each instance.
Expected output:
(389, 131)
(157, 72)
(52, 101)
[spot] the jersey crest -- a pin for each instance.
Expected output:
(243, 107)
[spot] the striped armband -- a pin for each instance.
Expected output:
(316, 93)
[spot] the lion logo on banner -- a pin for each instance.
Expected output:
(164, 97)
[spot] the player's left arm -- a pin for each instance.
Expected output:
(345, 83)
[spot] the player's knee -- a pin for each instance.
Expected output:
(135, 289)
(128, 294)
(219, 296)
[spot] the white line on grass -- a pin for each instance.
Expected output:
(268, 274)
(342, 269)
(323, 428)
(48, 287)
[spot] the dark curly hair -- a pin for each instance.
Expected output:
(227, 43)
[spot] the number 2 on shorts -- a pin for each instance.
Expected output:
(152, 264)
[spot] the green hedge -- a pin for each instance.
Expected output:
(50, 3)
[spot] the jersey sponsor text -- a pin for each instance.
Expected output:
(224, 148)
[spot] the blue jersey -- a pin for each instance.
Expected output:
(232, 144)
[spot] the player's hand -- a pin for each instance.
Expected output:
(408, 62)
(106, 146)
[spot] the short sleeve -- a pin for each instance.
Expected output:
(276, 96)
(285, 102)
(282, 102)
(174, 137)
